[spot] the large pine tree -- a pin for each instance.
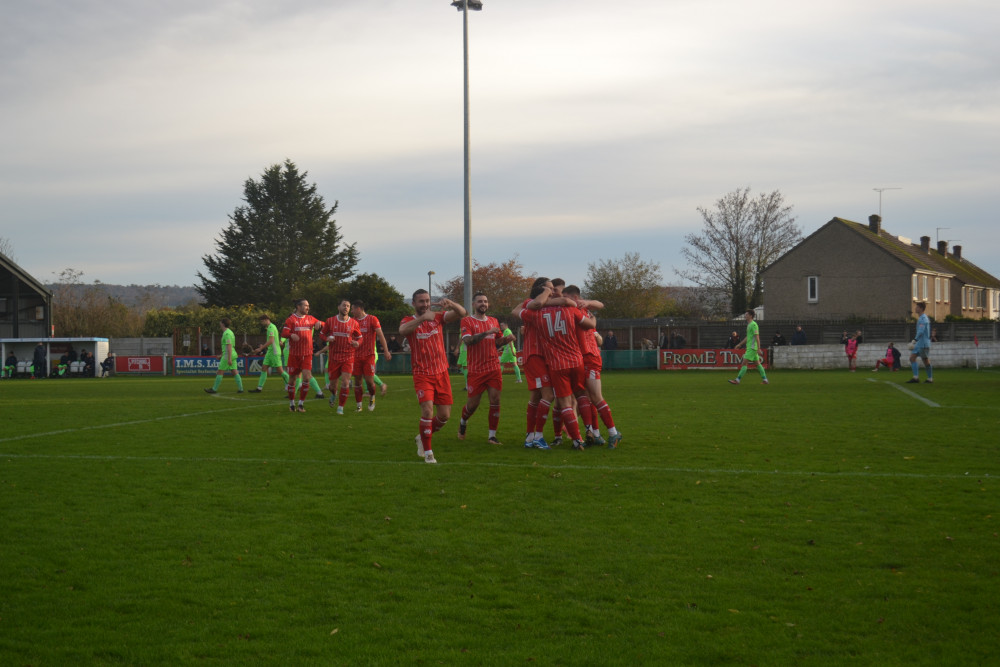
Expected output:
(284, 236)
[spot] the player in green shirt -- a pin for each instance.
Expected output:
(752, 355)
(272, 356)
(229, 359)
(509, 354)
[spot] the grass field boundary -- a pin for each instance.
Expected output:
(911, 394)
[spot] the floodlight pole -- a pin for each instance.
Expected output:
(429, 274)
(464, 6)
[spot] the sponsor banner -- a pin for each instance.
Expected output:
(151, 364)
(682, 359)
(210, 365)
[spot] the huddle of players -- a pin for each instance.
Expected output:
(562, 364)
(350, 345)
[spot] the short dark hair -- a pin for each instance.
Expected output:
(358, 303)
(571, 289)
(922, 305)
(226, 322)
(558, 282)
(420, 291)
(479, 294)
(263, 317)
(752, 313)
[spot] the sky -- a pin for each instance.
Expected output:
(597, 128)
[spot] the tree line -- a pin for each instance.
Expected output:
(283, 241)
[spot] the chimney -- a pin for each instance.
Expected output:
(925, 244)
(875, 224)
(957, 252)
(943, 248)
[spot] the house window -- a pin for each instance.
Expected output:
(812, 289)
(923, 287)
(937, 289)
(947, 290)
(916, 294)
(963, 297)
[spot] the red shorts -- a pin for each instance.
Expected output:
(364, 367)
(592, 364)
(536, 373)
(568, 381)
(337, 367)
(478, 382)
(299, 362)
(433, 388)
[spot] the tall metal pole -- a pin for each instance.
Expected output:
(468, 203)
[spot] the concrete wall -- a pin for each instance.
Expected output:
(943, 355)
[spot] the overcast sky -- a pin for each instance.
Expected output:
(598, 128)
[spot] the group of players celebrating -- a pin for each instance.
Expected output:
(562, 364)
(561, 351)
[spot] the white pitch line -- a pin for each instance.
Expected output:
(925, 401)
(495, 464)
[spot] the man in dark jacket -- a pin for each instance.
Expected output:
(41, 361)
(799, 337)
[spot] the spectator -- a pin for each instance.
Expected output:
(406, 345)
(108, 365)
(610, 342)
(851, 349)
(734, 340)
(799, 337)
(664, 342)
(778, 339)
(677, 341)
(648, 344)
(40, 362)
(10, 366)
(858, 337)
(206, 351)
(844, 338)
(934, 335)
(88, 363)
(891, 360)
(394, 346)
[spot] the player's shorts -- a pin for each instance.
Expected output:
(921, 352)
(433, 388)
(853, 356)
(299, 362)
(536, 373)
(751, 356)
(508, 357)
(337, 367)
(228, 364)
(364, 367)
(593, 365)
(568, 381)
(272, 359)
(479, 382)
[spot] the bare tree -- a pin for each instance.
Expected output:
(7, 248)
(742, 236)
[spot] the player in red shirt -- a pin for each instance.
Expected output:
(424, 332)
(592, 366)
(364, 357)
(298, 329)
(481, 335)
(561, 348)
(343, 337)
(536, 375)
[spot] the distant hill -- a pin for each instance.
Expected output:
(153, 296)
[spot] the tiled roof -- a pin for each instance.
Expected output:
(913, 256)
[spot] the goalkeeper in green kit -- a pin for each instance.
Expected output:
(272, 354)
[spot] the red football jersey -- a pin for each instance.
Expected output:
(303, 326)
(427, 346)
(531, 345)
(481, 357)
(588, 342)
(339, 335)
(369, 324)
(557, 328)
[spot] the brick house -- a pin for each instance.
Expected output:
(848, 269)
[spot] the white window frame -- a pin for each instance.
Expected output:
(947, 290)
(923, 285)
(916, 288)
(812, 289)
(937, 290)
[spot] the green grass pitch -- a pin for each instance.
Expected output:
(828, 518)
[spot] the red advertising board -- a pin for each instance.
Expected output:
(151, 364)
(682, 359)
